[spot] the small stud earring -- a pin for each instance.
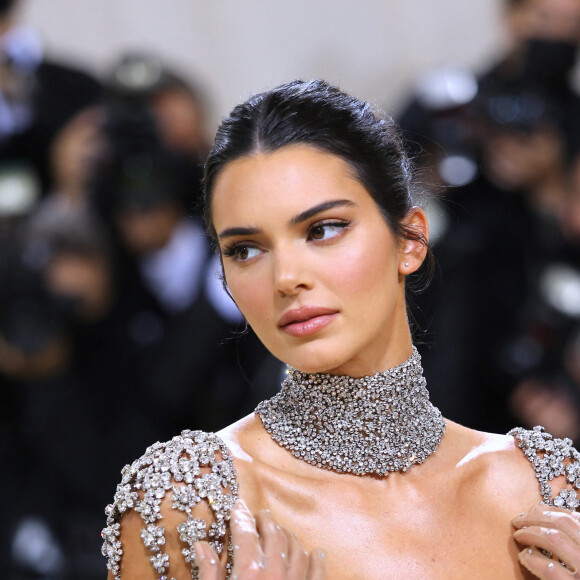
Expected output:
(406, 264)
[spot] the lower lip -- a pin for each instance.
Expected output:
(310, 326)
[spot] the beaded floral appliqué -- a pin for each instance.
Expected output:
(194, 467)
(551, 457)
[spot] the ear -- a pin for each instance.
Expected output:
(413, 250)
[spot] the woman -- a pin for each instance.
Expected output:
(308, 197)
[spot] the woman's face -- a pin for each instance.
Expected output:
(311, 262)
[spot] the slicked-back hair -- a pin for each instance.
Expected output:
(319, 115)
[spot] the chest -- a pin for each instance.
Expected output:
(384, 535)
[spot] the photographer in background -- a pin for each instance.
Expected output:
(549, 393)
(503, 229)
(499, 144)
(35, 351)
(37, 96)
(114, 328)
(199, 370)
(177, 105)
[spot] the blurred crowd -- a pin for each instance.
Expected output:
(500, 325)
(115, 329)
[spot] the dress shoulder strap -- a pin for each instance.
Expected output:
(552, 459)
(192, 468)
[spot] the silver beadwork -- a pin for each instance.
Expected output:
(192, 467)
(375, 424)
(551, 457)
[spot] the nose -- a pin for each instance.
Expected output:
(292, 273)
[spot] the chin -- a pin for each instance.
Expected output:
(314, 360)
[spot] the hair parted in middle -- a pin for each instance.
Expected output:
(320, 115)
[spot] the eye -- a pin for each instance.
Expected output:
(241, 252)
(326, 231)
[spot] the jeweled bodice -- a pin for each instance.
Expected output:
(551, 458)
(193, 468)
(197, 468)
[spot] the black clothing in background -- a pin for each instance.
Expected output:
(59, 93)
(487, 268)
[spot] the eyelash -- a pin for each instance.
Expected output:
(234, 250)
(342, 224)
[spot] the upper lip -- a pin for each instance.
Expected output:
(303, 313)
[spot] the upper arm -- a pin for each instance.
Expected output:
(177, 493)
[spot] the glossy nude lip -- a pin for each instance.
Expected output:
(306, 320)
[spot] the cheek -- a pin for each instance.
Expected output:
(251, 295)
(364, 268)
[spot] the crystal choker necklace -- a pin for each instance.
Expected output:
(375, 424)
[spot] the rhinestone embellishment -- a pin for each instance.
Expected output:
(375, 424)
(551, 457)
(193, 467)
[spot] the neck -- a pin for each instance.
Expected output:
(390, 350)
(374, 424)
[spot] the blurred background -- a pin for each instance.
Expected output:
(234, 49)
(114, 327)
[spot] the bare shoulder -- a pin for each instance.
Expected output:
(177, 493)
(520, 468)
(236, 436)
(487, 460)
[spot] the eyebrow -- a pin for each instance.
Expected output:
(307, 214)
(297, 219)
(230, 232)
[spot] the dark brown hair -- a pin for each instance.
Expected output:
(320, 115)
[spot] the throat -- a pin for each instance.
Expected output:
(369, 425)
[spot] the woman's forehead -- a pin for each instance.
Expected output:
(291, 177)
